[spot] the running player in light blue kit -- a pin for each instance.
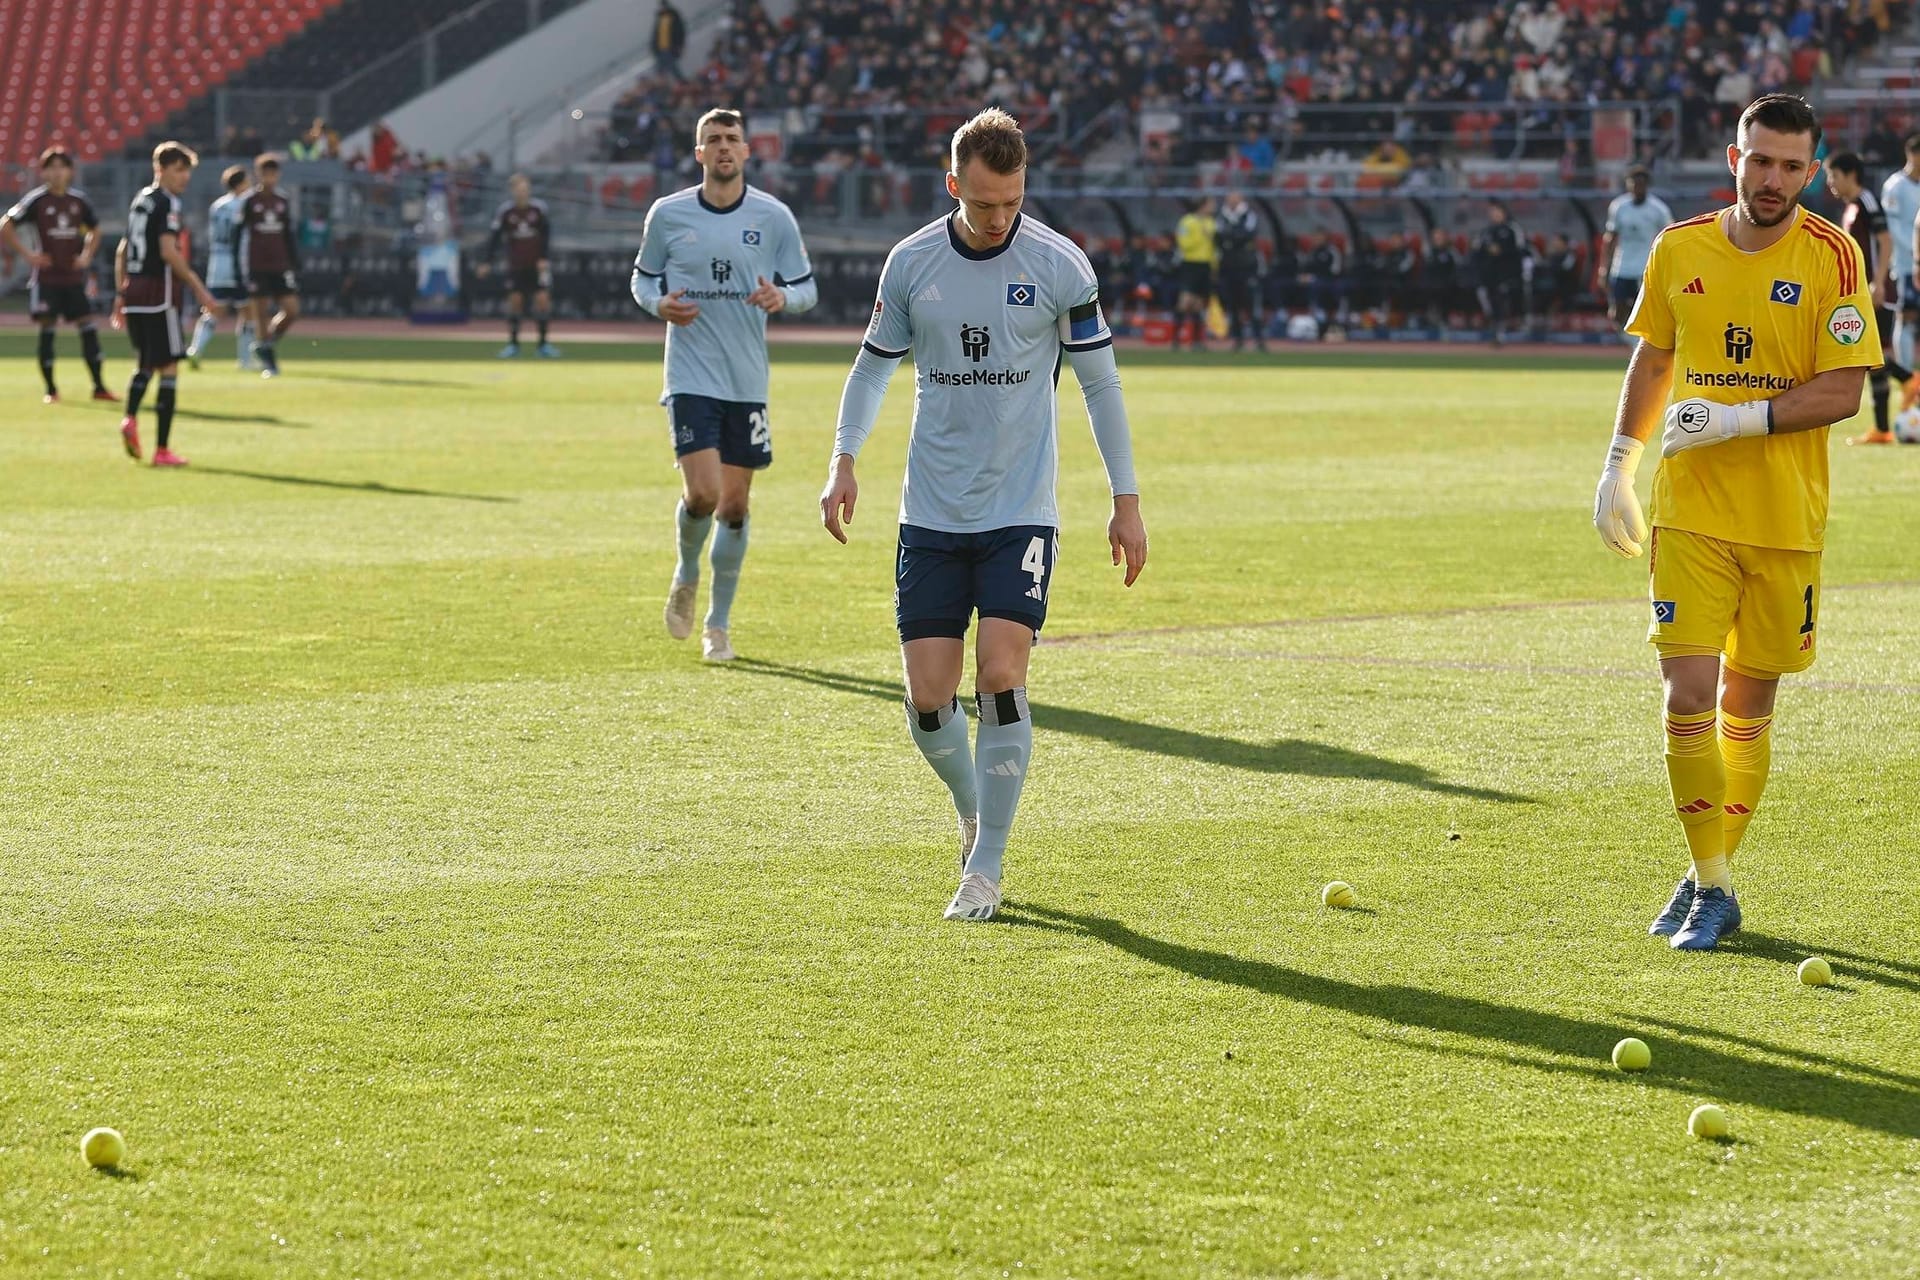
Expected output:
(223, 277)
(1900, 197)
(715, 261)
(988, 301)
(1633, 221)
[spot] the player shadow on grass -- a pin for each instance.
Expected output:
(1685, 1067)
(380, 380)
(239, 419)
(366, 486)
(1296, 756)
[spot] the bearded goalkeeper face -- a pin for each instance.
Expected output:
(1771, 170)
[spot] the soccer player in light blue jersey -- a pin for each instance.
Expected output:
(1900, 196)
(223, 276)
(715, 261)
(988, 301)
(1634, 220)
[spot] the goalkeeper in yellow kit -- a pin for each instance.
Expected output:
(1756, 334)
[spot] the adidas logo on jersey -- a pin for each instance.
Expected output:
(929, 294)
(1694, 286)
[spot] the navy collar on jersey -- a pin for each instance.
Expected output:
(980, 255)
(700, 194)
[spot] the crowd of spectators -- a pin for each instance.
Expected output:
(880, 82)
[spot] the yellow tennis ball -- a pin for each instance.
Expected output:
(1709, 1122)
(103, 1148)
(1815, 972)
(1339, 893)
(1632, 1055)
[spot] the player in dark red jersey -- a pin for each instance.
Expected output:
(268, 262)
(69, 235)
(522, 222)
(148, 271)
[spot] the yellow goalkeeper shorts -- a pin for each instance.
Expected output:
(1760, 606)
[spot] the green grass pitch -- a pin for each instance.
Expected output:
(372, 859)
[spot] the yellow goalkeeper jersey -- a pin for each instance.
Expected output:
(1748, 326)
(1195, 237)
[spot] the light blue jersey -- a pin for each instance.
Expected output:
(987, 329)
(1900, 196)
(719, 255)
(223, 233)
(1634, 228)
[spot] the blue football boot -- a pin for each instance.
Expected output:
(1714, 913)
(1668, 922)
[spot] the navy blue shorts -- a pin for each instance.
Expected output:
(232, 295)
(1626, 292)
(737, 429)
(942, 579)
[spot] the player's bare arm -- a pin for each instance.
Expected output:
(88, 247)
(1127, 535)
(1821, 401)
(171, 255)
(838, 499)
(1643, 394)
(11, 239)
(117, 317)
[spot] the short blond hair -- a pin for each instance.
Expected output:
(995, 138)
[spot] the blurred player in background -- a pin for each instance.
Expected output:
(268, 262)
(1900, 199)
(1866, 221)
(148, 271)
(1236, 236)
(223, 272)
(1193, 236)
(1633, 220)
(68, 236)
(523, 224)
(1503, 266)
(989, 302)
(1766, 298)
(715, 261)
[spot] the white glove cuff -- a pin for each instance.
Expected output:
(1753, 417)
(1623, 455)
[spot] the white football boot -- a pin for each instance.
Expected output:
(714, 645)
(977, 899)
(680, 609)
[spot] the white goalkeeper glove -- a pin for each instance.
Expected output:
(1616, 511)
(1693, 423)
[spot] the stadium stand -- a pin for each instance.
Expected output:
(356, 42)
(85, 73)
(1241, 70)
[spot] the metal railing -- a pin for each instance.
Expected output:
(388, 81)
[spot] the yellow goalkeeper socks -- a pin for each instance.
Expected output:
(1699, 783)
(1746, 753)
